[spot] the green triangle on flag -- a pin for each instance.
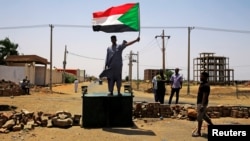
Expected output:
(131, 18)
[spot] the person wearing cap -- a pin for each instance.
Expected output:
(176, 84)
(113, 64)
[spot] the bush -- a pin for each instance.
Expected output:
(69, 78)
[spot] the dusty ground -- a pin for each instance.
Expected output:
(146, 129)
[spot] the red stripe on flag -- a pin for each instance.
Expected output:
(114, 10)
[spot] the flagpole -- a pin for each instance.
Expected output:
(139, 20)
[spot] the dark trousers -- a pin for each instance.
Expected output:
(26, 90)
(111, 84)
(155, 95)
(173, 91)
(160, 95)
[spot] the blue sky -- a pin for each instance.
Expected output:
(87, 49)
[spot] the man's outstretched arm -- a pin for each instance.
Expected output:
(132, 42)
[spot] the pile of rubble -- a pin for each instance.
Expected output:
(186, 111)
(26, 120)
(155, 110)
(228, 111)
(8, 88)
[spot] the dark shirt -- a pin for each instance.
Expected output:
(161, 85)
(161, 82)
(203, 88)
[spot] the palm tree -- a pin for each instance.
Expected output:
(7, 48)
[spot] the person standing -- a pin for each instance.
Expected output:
(176, 84)
(113, 64)
(154, 88)
(202, 102)
(76, 85)
(25, 85)
(161, 89)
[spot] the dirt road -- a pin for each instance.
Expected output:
(144, 129)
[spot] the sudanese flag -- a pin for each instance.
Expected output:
(122, 18)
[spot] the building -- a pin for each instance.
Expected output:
(80, 74)
(216, 66)
(149, 74)
(20, 66)
(35, 68)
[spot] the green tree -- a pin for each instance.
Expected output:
(169, 74)
(69, 78)
(7, 48)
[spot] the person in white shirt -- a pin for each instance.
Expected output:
(154, 82)
(176, 84)
(76, 85)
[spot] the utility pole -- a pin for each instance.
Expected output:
(137, 70)
(188, 71)
(163, 36)
(131, 60)
(51, 64)
(64, 63)
(130, 68)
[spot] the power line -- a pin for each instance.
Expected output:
(75, 26)
(145, 27)
(158, 44)
(84, 26)
(20, 27)
(163, 27)
(223, 30)
(146, 46)
(84, 56)
(89, 57)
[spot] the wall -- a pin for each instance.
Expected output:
(81, 75)
(30, 70)
(56, 76)
(35, 74)
(12, 73)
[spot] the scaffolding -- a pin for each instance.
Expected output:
(216, 66)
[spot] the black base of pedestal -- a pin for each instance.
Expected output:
(100, 110)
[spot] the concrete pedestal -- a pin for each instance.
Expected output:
(100, 110)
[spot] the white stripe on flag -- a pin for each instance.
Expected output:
(110, 20)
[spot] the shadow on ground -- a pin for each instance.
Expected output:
(7, 107)
(130, 131)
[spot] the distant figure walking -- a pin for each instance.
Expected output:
(202, 103)
(76, 85)
(176, 84)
